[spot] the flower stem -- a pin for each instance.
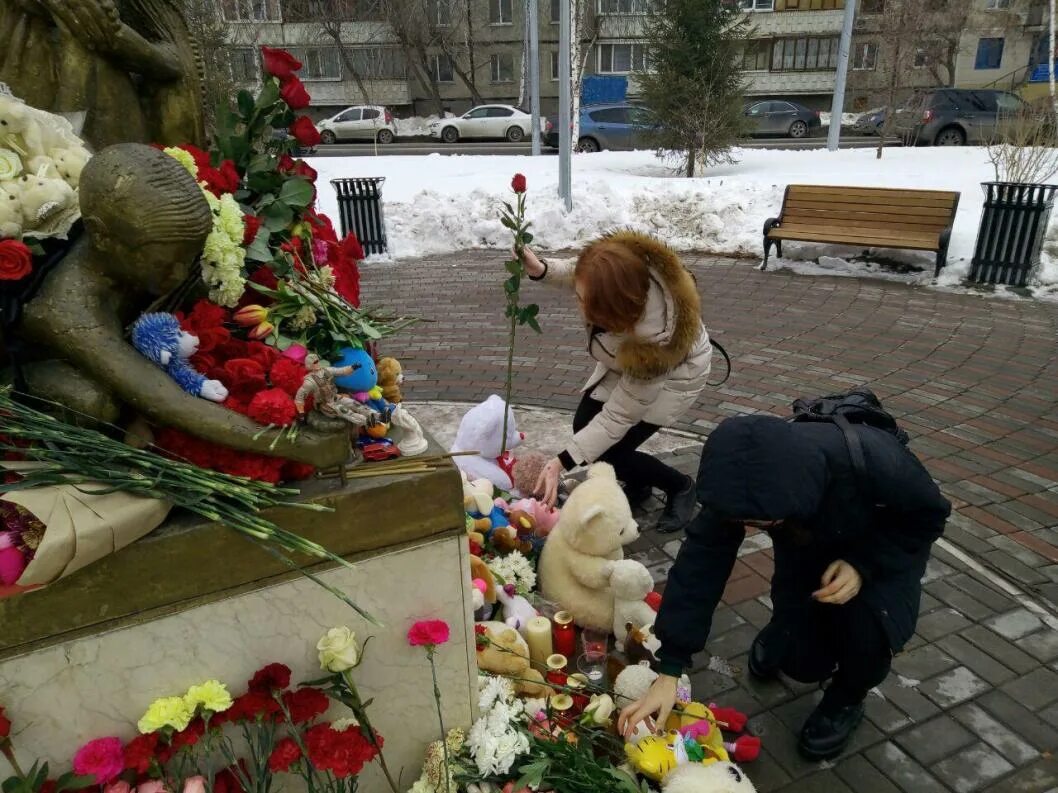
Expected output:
(8, 752)
(510, 381)
(440, 719)
(365, 727)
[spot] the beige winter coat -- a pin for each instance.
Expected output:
(655, 372)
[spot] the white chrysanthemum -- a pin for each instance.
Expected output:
(495, 742)
(515, 569)
(492, 689)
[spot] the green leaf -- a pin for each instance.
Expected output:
(296, 193)
(259, 250)
(269, 95)
(514, 267)
(533, 774)
(527, 238)
(510, 286)
(277, 217)
(509, 223)
(509, 208)
(245, 101)
(532, 323)
(71, 781)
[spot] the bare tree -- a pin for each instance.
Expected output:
(1024, 147)
(208, 32)
(583, 34)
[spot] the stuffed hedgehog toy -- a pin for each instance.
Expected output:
(159, 337)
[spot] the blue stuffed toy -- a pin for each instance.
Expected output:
(363, 382)
(160, 338)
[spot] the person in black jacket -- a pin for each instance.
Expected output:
(850, 553)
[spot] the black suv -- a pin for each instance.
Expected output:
(955, 116)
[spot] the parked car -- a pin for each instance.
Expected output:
(361, 122)
(620, 127)
(955, 116)
(870, 122)
(485, 121)
(781, 117)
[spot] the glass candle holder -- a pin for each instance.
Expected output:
(556, 670)
(563, 635)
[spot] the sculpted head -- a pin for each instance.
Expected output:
(146, 218)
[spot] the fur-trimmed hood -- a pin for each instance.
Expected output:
(645, 359)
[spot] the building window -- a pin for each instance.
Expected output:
(865, 56)
(501, 12)
(625, 7)
(251, 11)
(379, 63)
(440, 13)
(872, 7)
(996, 4)
(554, 66)
(756, 55)
(804, 54)
(318, 63)
(922, 58)
(989, 53)
(757, 5)
(502, 68)
(622, 58)
(242, 62)
(441, 69)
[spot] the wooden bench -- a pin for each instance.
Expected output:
(873, 217)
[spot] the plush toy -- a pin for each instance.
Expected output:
(69, 162)
(11, 210)
(640, 648)
(390, 379)
(529, 539)
(19, 130)
(481, 431)
(544, 517)
(483, 593)
(160, 338)
(477, 495)
(526, 471)
(631, 582)
(504, 652)
(476, 531)
(43, 197)
(712, 778)
(43, 165)
(632, 684)
(578, 558)
(516, 610)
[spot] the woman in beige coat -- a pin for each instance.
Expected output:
(652, 354)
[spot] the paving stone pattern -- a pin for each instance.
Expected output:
(972, 703)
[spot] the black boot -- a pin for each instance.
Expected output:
(767, 652)
(679, 509)
(637, 495)
(829, 729)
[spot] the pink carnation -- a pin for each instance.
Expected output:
(102, 758)
(428, 633)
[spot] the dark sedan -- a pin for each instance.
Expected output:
(781, 117)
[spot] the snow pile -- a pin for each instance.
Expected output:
(416, 126)
(442, 204)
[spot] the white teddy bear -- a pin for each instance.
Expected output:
(43, 165)
(19, 130)
(716, 777)
(578, 559)
(70, 162)
(43, 197)
(481, 431)
(631, 582)
(10, 210)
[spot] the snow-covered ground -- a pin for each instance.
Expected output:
(441, 204)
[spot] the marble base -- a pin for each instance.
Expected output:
(99, 685)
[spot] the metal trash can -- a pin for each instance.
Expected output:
(1013, 226)
(360, 211)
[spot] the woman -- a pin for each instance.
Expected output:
(652, 354)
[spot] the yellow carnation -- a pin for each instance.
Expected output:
(184, 158)
(211, 695)
(165, 712)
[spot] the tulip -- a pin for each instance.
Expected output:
(261, 331)
(249, 316)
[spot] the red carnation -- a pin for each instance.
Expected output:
(5, 726)
(190, 735)
(227, 781)
(428, 633)
(253, 705)
(272, 406)
(244, 376)
(347, 282)
(263, 276)
(305, 704)
(49, 786)
(251, 225)
(272, 676)
(283, 756)
(139, 752)
(262, 353)
(518, 183)
(305, 132)
(351, 248)
(279, 63)
(16, 260)
(255, 466)
(233, 403)
(219, 181)
(200, 157)
(294, 471)
(294, 94)
(287, 374)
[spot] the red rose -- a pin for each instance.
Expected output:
(428, 633)
(16, 261)
(139, 752)
(5, 726)
(273, 406)
(305, 132)
(287, 374)
(347, 281)
(294, 94)
(351, 248)
(283, 756)
(305, 704)
(322, 227)
(518, 183)
(190, 735)
(263, 276)
(279, 63)
(294, 472)
(305, 171)
(219, 181)
(267, 678)
(251, 225)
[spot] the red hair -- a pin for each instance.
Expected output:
(615, 283)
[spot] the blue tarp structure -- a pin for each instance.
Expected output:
(599, 89)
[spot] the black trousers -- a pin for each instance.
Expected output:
(633, 467)
(844, 643)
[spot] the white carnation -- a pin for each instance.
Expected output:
(515, 569)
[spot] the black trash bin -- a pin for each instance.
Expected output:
(1013, 226)
(360, 211)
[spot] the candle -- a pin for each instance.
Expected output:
(565, 639)
(556, 670)
(578, 684)
(562, 709)
(538, 636)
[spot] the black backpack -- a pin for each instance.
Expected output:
(859, 406)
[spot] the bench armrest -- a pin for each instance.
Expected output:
(771, 223)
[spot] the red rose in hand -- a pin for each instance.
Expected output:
(305, 132)
(518, 183)
(273, 406)
(5, 726)
(283, 756)
(279, 63)
(251, 225)
(16, 260)
(267, 678)
(305, 704)
(294, 94)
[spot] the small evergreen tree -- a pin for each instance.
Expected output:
(694, 84)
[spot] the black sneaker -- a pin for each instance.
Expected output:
(679, 509)
(828, 730)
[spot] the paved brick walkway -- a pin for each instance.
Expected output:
(972, 704)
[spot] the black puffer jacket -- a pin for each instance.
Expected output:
(764, 468)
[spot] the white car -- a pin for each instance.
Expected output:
(361, 122)
(486, 121)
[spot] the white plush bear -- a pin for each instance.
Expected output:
(43, 197)
(69, 162)
(43, 165)
(579, 555)
(19, 130)
(631, 582)
(481, 431)
(716, 777)
(477, 495)
(10, 210)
